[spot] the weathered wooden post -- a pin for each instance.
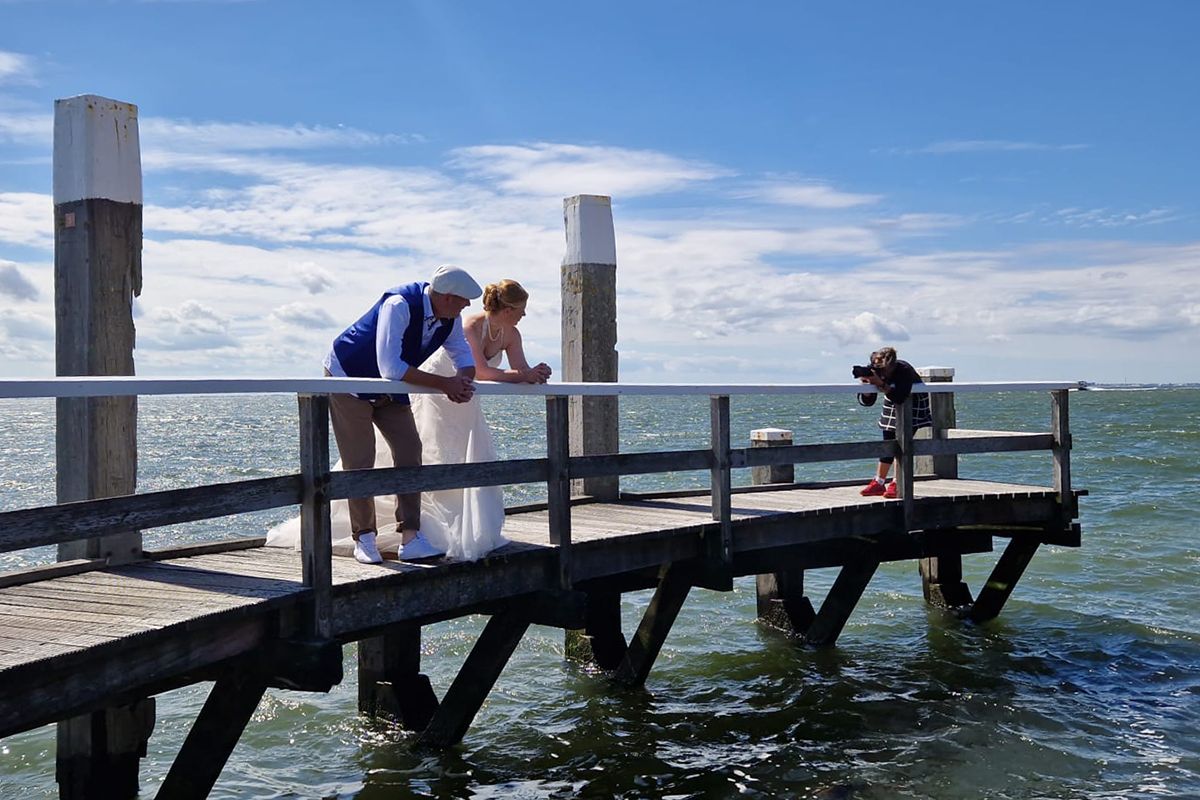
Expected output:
(772, 473)
(941, 405)
(781, 600)
(589, 331)
(97, 273)
(589, 354)
(941, 576)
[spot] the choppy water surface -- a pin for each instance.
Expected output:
(1087, 686)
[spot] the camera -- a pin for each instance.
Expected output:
(863, 372)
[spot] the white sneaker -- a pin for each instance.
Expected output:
(365, 551)
(419, 547)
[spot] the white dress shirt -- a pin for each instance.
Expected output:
(389, 336)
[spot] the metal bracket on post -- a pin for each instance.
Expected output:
(558, 483)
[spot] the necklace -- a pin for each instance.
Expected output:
(490, 337)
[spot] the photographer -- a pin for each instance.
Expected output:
(895, 380)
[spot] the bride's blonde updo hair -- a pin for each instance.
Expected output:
(505, 294)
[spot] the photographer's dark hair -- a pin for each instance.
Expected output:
(883, 358)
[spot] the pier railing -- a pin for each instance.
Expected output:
(316, 485)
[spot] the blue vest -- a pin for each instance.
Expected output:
(355, 347)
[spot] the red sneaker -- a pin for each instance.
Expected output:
(890, 491)
(872, 489)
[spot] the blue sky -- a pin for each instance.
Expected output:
(1007, 189)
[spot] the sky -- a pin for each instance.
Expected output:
(1008, 189)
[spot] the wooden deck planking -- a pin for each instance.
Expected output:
(151, 601)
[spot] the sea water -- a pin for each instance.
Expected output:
(1087, 686)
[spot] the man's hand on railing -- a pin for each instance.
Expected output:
(459, 388)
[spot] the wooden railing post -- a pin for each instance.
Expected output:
(1060, 427)
(316, 541)
(904, 463)
(721, 479)
(558, 482)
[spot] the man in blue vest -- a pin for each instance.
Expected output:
(404, 328)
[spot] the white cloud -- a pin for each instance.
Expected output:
(954, 146)
(27, 325)
(15, 285)
(26, 219)
(867, 328)
(185, 136)
(810, 194)
(313, 278)
(560, 170)
(251, 272)
(304, 315)
(189, 326)
(15, 68)
(921, 223)
(26, 128)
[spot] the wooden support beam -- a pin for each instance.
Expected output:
(601, 640)
(589, 331)
(673, 588)
(230, 705)
(558, 484)
(840, 602)
(304, 665)
(479, 672)
(782, 603)
(390, 681)
(1000, 584)
(99, 753)
(942, 583)
(316, 538)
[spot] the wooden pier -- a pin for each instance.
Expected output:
(86, 637)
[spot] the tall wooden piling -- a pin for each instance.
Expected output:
(941, 576)
(97, 273)
(589, 330)
(589, 341)
(781, 600)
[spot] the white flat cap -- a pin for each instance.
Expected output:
(448, 279)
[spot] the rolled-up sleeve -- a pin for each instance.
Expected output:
(456, 345)
(389, 337)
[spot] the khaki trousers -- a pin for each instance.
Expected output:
(354, 424)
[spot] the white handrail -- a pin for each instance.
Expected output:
(120, 386)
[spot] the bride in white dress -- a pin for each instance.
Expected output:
(465, 523)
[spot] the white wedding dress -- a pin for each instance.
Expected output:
(466, 523)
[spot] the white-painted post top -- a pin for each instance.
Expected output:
(590, 236)
(936, 373)
(97, 154)
(770, 435)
